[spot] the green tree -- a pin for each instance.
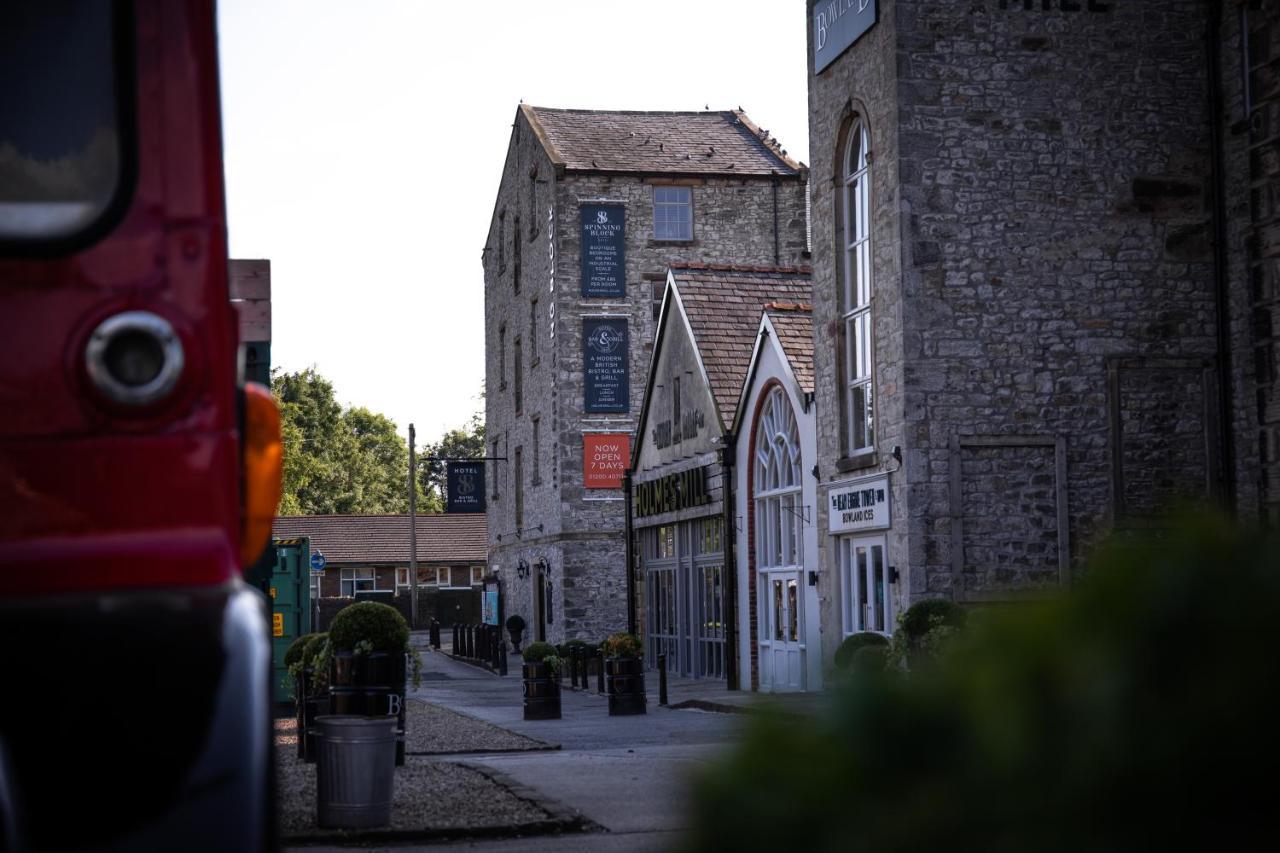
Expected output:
(336, 461)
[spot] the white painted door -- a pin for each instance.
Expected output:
(782, 620)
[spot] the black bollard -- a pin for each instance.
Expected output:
(600, 673)
(435, 634)
(454, 648)
(502, 658)
(582, 668)
(662, 679)
(496, 648)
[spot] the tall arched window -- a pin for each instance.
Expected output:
(779, 535)
(856, 371)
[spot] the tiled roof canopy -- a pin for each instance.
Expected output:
(794, 328)
(723, 305)
(690, 143)
(384, 539)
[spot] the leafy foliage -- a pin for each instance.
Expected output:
(515, 622)
(370, 625)
(854, 642)
(621, 645)
(1134, 713)
(336, 460)
(538, 652)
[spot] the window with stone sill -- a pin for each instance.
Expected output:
(856, 353)
(533, 204)
(502, 241)
(502, 358)
(672, 213)
(515, 255)
(358, 580)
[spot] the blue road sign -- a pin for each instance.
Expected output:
(317, 561)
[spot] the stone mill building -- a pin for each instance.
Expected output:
(1045, 277)
(592, 209)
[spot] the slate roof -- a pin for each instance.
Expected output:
(384, 539)
(793, 325)
(723, 305)
(690, 143)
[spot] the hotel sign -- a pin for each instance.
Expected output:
(859, 506)
(837, 24)
(604, 228)
(465, 485)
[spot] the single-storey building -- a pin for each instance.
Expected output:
(367, 557)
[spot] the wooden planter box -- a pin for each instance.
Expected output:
(541, 692)
(624, 684)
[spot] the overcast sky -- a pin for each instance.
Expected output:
(365, 140)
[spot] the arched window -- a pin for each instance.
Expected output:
(777, 485)
(856, 353)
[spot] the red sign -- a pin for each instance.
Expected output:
(604, 459)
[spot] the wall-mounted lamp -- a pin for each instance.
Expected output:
(813, 578)
(522, 569)
(897, 454)
(893, 574)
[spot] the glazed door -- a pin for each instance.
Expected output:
(781, 617)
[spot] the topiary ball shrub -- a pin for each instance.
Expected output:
(923, 616)
(852, 643)
(621, 645)
(538, 652)
(515, 623)
(380, 626)
(293, 654)
(870, 659)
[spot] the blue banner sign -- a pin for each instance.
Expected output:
(837, 24)
(465, 485)
(606, 365)
(604, 232)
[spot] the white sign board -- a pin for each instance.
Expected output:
(859, 506)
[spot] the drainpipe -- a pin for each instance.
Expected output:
(630, 555)
(730, 563)
(1222, 302)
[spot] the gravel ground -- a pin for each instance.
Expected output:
(431, 729)
(433, 798)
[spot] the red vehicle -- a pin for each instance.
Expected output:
(138, 472)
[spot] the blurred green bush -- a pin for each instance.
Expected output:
(1137, 712)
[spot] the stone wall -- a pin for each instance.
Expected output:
(1043, 230)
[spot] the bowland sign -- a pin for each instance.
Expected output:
(861, 506)
(837, 24)
(465, 487)
(604, 250)
(606, 365)
(604, 460)
(682, 490)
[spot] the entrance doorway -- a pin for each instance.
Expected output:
(684, 597)
(782, 647)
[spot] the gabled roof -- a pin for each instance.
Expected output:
(723, 305)
(789, 327)
(688, 143)
(384, 539)
(793, 326)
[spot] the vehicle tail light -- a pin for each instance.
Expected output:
(263, 470)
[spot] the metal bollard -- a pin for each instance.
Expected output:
(435, 634)
(454, 647)
(502, 658)
(600, 673)
(662, 679)
(497, 648)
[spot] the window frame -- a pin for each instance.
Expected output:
(517, 375)
(779, 544)
(857, 585)
(349, 580)
(855, 294)
(113, 211)
(686, 204)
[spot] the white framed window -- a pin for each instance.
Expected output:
(865, 602)
(477, 575)
(358, 580)
(778, 499)
(402, 577)
(672, 213)
(857, 368)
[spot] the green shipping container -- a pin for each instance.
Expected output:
(290, 593)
